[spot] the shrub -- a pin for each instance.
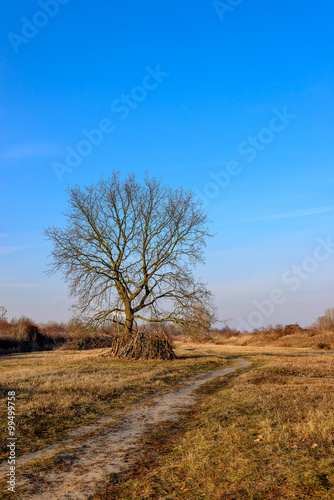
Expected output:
(82, 342)
(323, 345)
(24, 336)
(28, 332)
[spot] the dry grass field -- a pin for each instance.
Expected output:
(263, 435)
(60, 390)
(277, 337)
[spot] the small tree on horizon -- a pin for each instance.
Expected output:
(3, 314)
(326, 321)
(127, 251)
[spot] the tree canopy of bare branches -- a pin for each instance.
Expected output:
(127, 251)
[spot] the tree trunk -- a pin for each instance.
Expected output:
(128, 327)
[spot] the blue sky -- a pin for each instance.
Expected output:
(232, 99)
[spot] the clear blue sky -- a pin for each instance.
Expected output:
(234, 102)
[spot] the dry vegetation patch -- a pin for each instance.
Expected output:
(61, 390)
(279, 336)
(264, 435)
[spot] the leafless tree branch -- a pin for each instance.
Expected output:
(127, 251)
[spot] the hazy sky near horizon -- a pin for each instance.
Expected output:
(232, 99)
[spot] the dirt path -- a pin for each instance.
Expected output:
(108, 446)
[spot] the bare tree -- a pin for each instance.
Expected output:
(3, 313)
(326, 322)
(128, 249)
(199, 317)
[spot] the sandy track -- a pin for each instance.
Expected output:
(109, 446)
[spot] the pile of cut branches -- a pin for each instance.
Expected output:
(140, 345)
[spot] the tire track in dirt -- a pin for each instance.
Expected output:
(85, 463)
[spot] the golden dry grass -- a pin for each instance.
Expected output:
(311, 339)
(58, 391)
(266, 434)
